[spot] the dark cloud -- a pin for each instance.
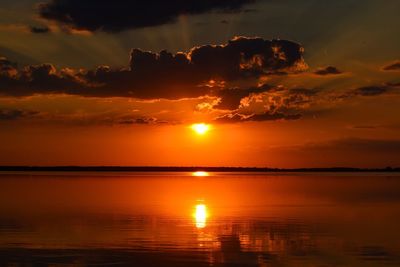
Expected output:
(371, 90)
(119, 15)
(329, 70)
(267, 116)
(34, 29)
(393, 84)
(393, 66)
(7, 68)
(39, 79)
(264, 103)
(141, 120)
(295, 98)
(230, 97)
(231, 118)
(247, 57)
(273, 117)
(280, 99)
(14, 114)
(8, 76)
(303, 91)
(388, 88)
(160, 75)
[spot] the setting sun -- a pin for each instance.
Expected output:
(200, 128)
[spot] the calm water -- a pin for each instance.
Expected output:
(177, 219)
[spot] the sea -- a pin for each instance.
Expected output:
(199, 219)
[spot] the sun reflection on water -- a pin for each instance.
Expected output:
(200, 174)
(200, 215)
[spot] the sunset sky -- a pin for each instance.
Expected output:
(277, 83)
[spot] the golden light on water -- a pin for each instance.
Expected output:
(200, 174)
(200, 215)
(200, 128)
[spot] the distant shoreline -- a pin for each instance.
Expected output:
(183, 169)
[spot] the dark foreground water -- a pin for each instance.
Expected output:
(176, 219)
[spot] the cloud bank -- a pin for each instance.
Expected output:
(160, 75)
(392, 67)
(119, 15)
(329, 70)
(267, 116)
(15, 114)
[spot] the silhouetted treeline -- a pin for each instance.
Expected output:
(186, 169)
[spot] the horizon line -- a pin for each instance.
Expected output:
(108, 168)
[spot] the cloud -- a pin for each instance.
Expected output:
(7, 68)
(38, 79)
(302, 91)
(159, 75)
(247, 57)
(14, 114)
(371, 90)
(392, 67)
(230, 97)
(267, 103)
(140, 120)
(273, 117)
(34, 29)
(279, 99)
(329, 70)
(119, 15)
(267, 116)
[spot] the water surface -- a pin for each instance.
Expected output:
(178, 219)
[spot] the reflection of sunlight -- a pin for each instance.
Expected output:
(200, 173)
(200, 215)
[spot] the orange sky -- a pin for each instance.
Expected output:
(285, 85)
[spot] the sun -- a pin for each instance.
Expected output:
(200, 128)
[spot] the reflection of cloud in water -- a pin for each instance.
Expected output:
(175, 242)
(257, 242)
